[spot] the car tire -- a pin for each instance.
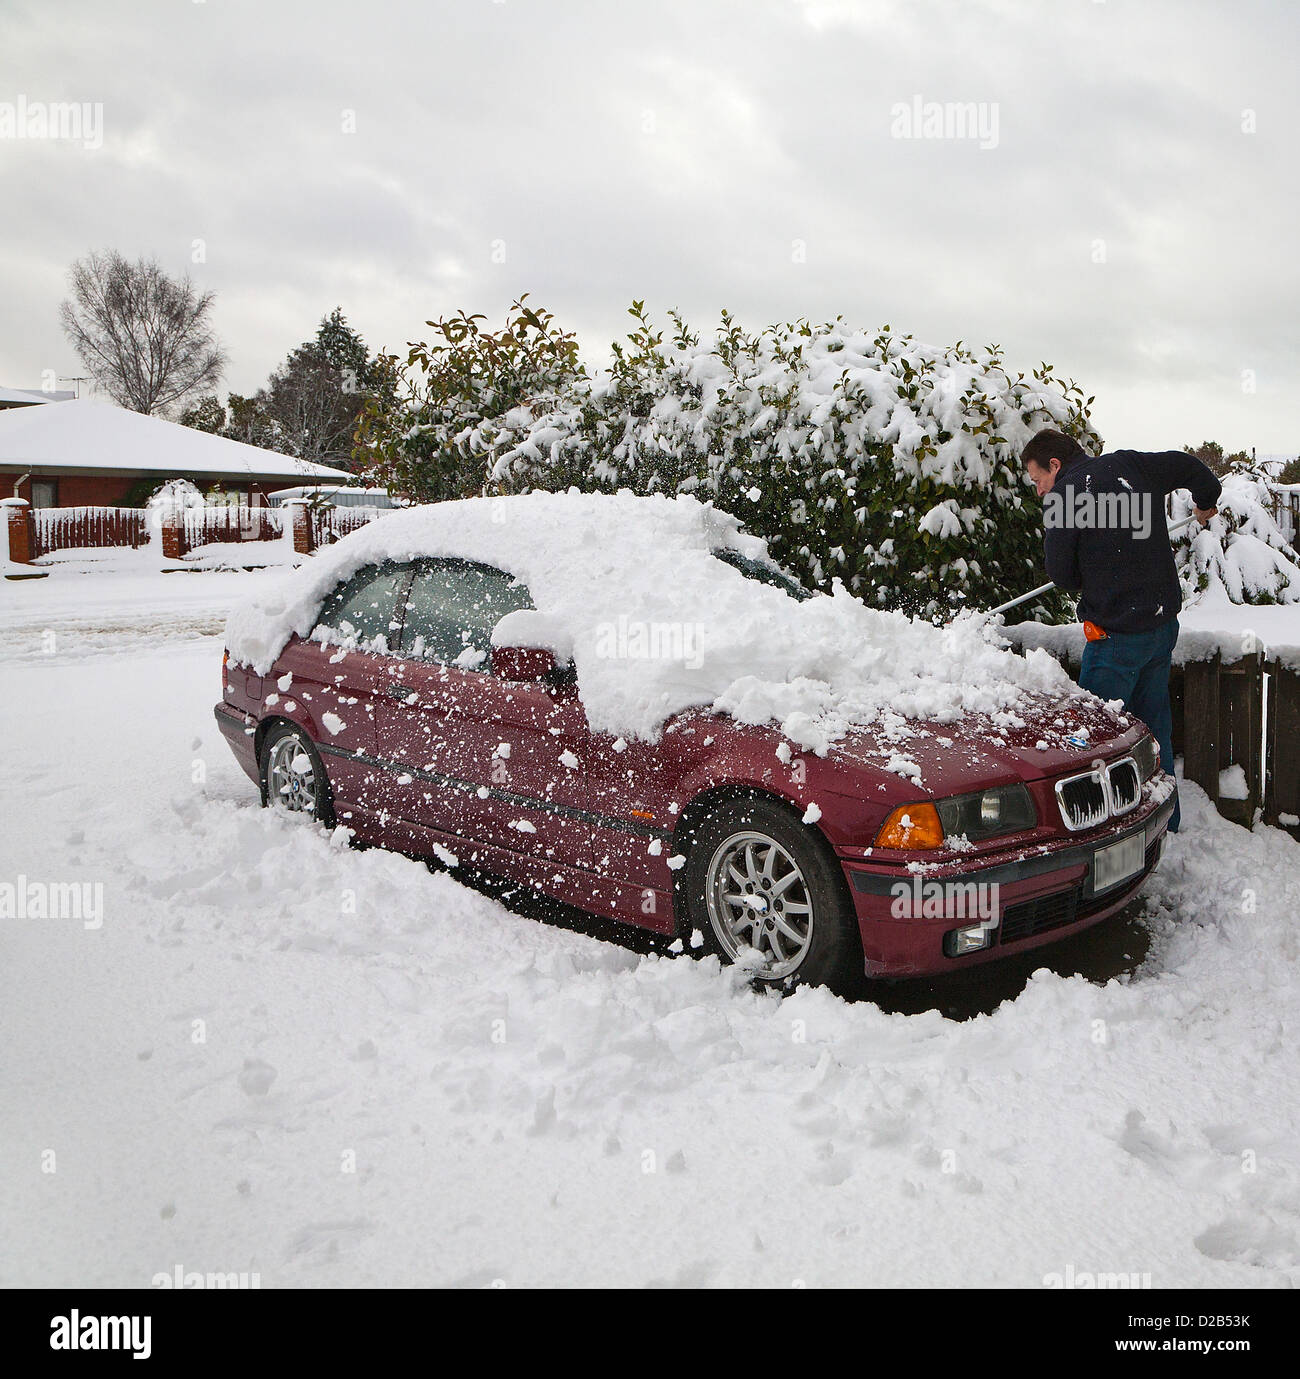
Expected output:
(295, 789)
(800, 927)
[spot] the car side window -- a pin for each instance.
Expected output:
(364, 613)
(453, 607)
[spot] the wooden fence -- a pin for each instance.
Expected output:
(1285, 507)
(223, 523)
(330, 523)
(1236, 710)
(1241, 712)
(33, 533)
(59, 529)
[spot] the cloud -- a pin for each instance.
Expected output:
(404, 161)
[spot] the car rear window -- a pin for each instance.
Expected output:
(364, 612)
(453, 607)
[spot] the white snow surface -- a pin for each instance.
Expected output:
(330, 1067)
(1233, 784)
(605, 569)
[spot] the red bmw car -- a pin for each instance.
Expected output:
(405, 708)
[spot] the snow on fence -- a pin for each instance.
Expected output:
(230, 522)
(1236, 717)
(330, 523)
(184, 529)
(58, 529)
(188, 529)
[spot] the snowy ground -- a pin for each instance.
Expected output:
(331, 1067)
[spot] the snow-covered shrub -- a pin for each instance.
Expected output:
(887, 463)
(175, 495)
(1242, 556)
(429, 432)
(172, 496)
(874, 458)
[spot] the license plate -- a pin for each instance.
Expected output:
(1118, 862)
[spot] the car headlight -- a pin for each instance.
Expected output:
(911, 826)
(1005, 809)
(1147, 756)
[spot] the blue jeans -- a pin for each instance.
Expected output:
(1134, 667)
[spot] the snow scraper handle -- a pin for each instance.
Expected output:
(1043, 588)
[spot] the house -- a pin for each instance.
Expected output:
(26, 397)
(93, 454)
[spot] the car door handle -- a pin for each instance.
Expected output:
(410, 698)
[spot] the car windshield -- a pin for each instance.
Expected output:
(763, 572)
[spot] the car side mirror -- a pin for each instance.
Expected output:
(523, 663)
(529, 646)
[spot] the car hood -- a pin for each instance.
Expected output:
(1044, 738)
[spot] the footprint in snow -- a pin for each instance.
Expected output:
(1140, 1140)
(1258, 1240)
(325, 1237)
(398, 990)
(255, 1077)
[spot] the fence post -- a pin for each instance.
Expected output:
(1177, 706)
(1223, 709)
(1201, 724)
(303, 534)
(1241, 727)
(1282, 751)
(22, 530)
(173, 534)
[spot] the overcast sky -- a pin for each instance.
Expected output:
(385, 157)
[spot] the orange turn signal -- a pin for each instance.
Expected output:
(911, 826)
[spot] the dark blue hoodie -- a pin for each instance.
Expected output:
(1095, 540)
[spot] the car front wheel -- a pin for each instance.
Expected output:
(768, 893)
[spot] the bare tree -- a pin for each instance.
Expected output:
(145, 338)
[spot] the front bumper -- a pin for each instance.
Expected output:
(1035, 897)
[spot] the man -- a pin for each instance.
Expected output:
(1105, 536)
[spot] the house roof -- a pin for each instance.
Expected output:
(26, 397)
(103, 439)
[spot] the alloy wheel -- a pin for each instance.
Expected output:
(758, 899)
(291, 777)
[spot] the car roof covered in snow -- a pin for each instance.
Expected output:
(656, 624)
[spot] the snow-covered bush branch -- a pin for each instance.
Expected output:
(1243, 556)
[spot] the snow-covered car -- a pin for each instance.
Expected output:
(623, 703)
(337, 495)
